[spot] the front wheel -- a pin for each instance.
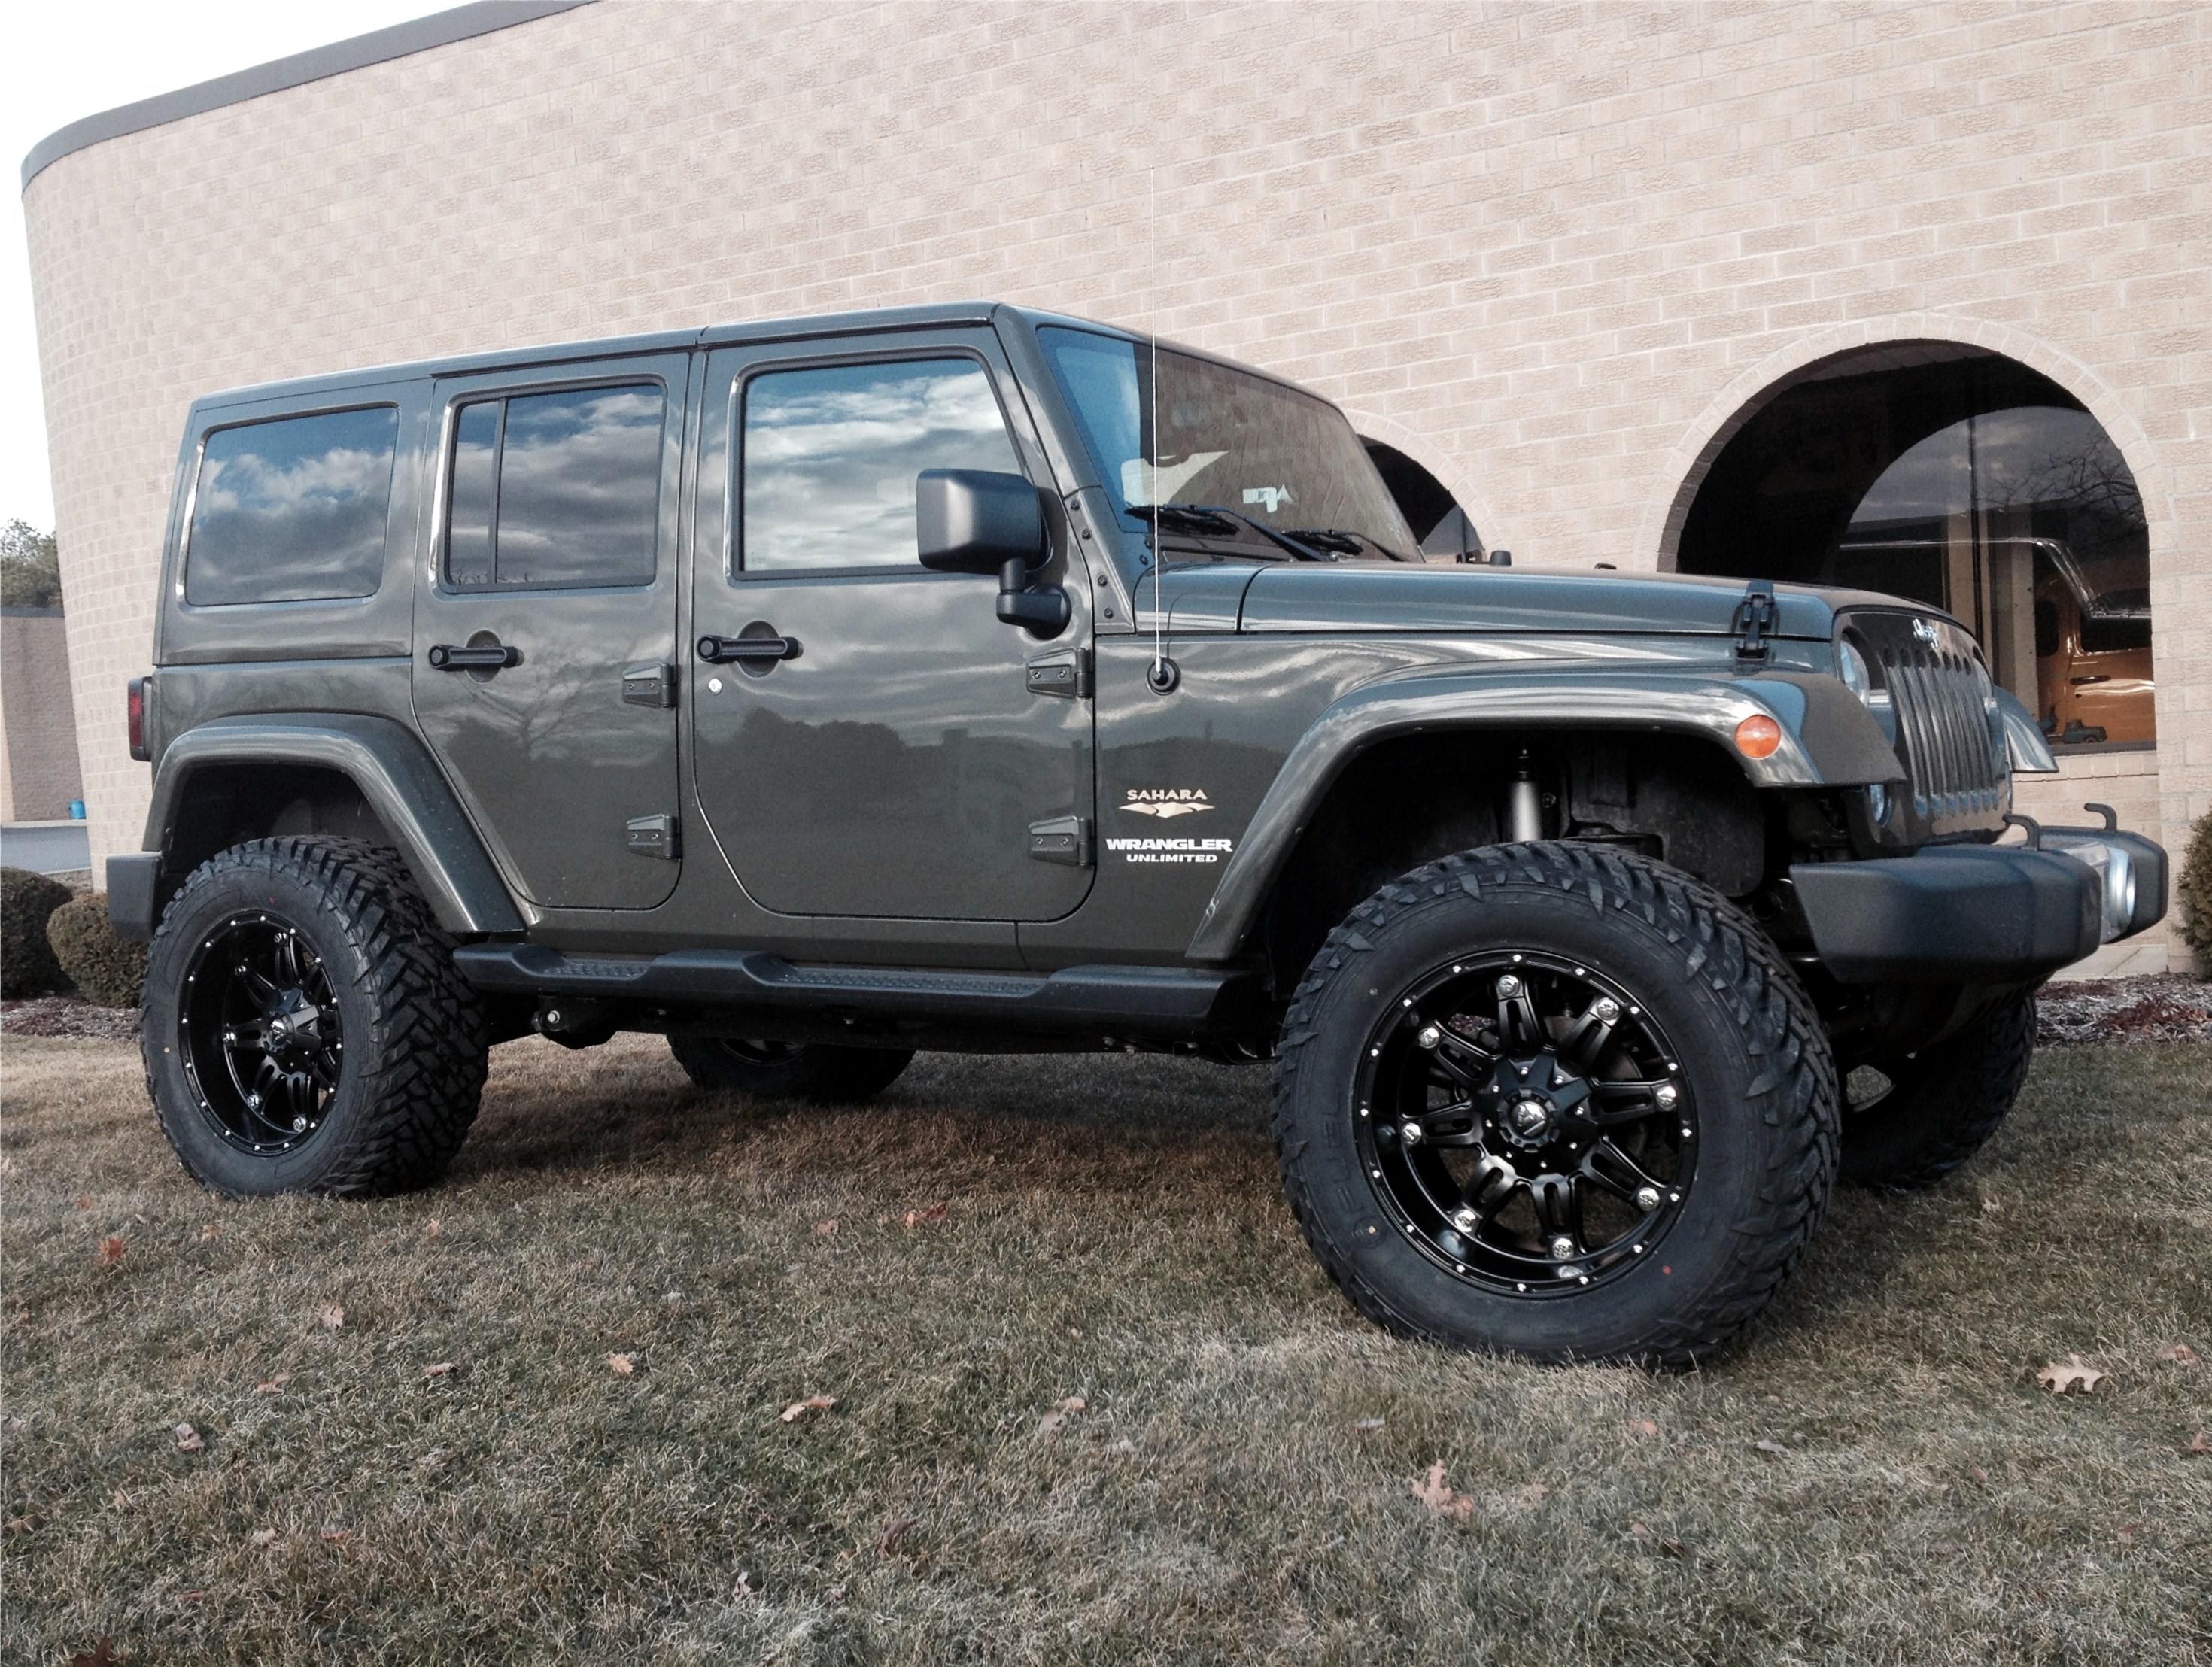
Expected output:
(788, 1071)
(1556, 1101)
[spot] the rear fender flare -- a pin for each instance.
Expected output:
(1828, 739)
(394, 772)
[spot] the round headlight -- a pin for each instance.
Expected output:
(1851, 667)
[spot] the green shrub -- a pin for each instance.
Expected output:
(108, 968)
(2196, 890)
(27, 966)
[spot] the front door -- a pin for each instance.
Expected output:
(545, 656)
(902, 758)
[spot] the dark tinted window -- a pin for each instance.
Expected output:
(830, 455)
(558, 489)
(292, 510)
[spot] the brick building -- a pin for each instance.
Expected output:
(1919, 295)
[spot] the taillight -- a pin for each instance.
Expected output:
(136, 706)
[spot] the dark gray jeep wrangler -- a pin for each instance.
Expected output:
(962, 678)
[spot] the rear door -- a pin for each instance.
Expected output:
(545, 641)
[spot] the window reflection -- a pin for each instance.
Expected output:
(557, 489)
(292, 510)
(1967, 482)
(830, 454)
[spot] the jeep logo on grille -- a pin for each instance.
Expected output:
(1925, 632)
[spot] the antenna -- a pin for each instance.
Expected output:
(1164, 674)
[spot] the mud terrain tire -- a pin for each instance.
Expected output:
(1943, 1103)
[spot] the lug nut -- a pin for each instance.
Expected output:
(299, 1125)
(1647, 1198)
(1466, 1220)
(1411, 1132)
(1667, 1096)
(1563, 1247)
(1429, 1036)
(1605, 1010)
(1509, 986)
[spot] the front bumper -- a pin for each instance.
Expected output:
(1981, 914)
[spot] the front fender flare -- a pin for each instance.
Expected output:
(395, 773)
(1828, 739)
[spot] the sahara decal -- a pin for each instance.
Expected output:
(1167, 802)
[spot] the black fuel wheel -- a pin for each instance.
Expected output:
(1556, 1101)
(1909, 1122)
(304, 1029)
(788, 1071)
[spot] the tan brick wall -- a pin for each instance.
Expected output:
(39, 773)
(1555, 252)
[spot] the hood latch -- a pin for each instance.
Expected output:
(1755, 615)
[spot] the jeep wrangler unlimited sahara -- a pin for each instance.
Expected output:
(965, 677)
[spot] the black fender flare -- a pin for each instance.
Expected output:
(1828, 740)
(393, 771)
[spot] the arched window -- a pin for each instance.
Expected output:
(1427, 502)
(1965, 480)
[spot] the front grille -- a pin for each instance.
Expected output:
(1940, 691)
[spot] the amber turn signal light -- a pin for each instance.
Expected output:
(1758, 737)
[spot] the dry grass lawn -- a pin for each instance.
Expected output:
(1237, 1484)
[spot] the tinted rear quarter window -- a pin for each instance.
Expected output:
(291, 509)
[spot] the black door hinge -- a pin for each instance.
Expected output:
(655, 836)
(650, 685)
(1062, 839)
(1064, 672)
(1755, 615)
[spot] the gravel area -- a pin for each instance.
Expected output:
(2160, 1007)
(69, 1016)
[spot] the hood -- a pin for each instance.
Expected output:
(1368, 596)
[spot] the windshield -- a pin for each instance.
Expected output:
(1227, 439)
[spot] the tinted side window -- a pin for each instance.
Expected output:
(292, 510)
(557, 489)
(830, 454)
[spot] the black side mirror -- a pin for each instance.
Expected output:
(979, 521)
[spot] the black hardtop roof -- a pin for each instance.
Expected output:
(340, 383)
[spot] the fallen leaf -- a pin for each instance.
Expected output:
(1073, 1404)
(1534, 1493)
(1771, 1449)
(743, 1592)
(1367, 1426)
(121, 1501)
(1437, 1498)
(1123, 1445)
(210, 1232)
(333, 1317)
(798, 1409)
(442, 1369)
(22, 1525)
(189, 1440)
(101, 1654)
(1645, 1426)
(2074, 1374)
(2198, 1444)
(622, 1365)
(433, 1229)
(894, 1531)
(1644, 1535)
(141, 1220)
(1050, 1423)
(335, 1536)
(1979, 1474)
(2126, 1535)
(84, 1201)
(2179, 1352)
(914, 1218)
(825, 1228)
(111, 1250)
(193, 1596)
(274, 1385)
(263, 1537)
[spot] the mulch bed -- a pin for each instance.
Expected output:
(2162, 1007)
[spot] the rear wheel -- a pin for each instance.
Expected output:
(305, 1029)
(1910, 1121)
(1558, 1101)
(788, 1071)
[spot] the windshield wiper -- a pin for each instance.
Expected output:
(1343, 541)
(1212, 519)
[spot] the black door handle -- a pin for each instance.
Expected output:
(473, 657)
(721, 651)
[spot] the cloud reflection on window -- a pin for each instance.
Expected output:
(830, 456)
(292, 510)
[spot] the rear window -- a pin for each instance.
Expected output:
(292, 510)
(557, 488)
